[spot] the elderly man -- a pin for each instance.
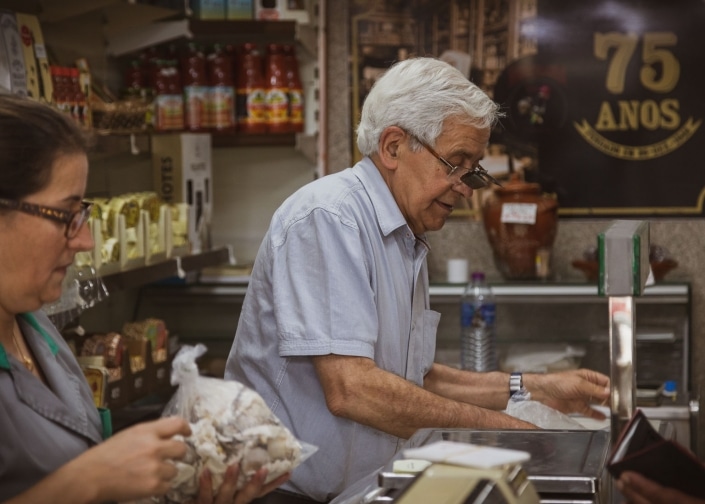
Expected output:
(336, 332)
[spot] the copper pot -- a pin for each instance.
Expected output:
(521, 223)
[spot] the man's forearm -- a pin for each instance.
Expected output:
(489, 390)
(384, 401)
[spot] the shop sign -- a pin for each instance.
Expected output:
(620, 86)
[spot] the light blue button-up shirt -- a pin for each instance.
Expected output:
(338, 272)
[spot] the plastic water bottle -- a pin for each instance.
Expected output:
(478, 348)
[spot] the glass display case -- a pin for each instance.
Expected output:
(553, 326)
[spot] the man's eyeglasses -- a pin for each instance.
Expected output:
(74, 221)
(476, 177)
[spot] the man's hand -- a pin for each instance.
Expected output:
(570, 391)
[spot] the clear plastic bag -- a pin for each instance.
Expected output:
(522, 407)
(81, 289)
(230, 423)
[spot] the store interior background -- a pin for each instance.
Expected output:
(250, 182)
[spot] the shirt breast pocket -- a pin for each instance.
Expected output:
(422, 346)
(431, 319)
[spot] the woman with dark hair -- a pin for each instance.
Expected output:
(51, 443)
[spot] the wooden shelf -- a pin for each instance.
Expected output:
(107, 146)
(125, 40)
(243, 140)
(242, 28)
(214, 257)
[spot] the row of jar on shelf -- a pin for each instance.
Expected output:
(136, 229)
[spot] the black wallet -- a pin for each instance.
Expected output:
(640, 448)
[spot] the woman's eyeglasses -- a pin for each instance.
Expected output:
(476, 177)
(74, 221)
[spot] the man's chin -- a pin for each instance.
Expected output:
(438, 224)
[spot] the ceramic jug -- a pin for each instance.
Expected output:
(521, 223)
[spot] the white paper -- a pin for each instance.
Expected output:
(469, 455)
(519, 213)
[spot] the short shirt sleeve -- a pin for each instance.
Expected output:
(321, 282)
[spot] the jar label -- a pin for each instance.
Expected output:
(196, 107)
(296, 106)
(170, 112)
(519, 213)
(222, 107)
(250, 105)
(277, 100)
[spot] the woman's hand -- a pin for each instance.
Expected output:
(570, 391)
(227, 493)
(134, 464)
(637, 489)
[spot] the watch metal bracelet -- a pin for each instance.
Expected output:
(516, 382)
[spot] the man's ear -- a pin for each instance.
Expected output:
(390, 142)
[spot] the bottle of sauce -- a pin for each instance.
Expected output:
(168, 101)
(70, 105)
(176, 91)
(149, 60)
(79, 103)
(277, 91)
(134, 80)
(59, 88)
(296, 92)
(222, 90)
(195, 83)
(250, 98)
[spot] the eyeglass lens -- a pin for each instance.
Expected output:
(473, 180)
(478, 178)
(78, 220)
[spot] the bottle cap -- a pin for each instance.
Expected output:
(477, 275)
(670, 387)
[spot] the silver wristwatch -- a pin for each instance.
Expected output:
(516, 383)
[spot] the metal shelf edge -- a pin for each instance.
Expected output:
(171, 267)
(450, 290)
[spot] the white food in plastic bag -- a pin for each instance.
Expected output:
(230, 423)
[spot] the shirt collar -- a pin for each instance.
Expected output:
(389, 217)
(4, 360)
(29, 318)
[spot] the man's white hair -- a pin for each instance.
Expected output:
(418, 95)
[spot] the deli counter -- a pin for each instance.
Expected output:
(564, 467)
(532, 318)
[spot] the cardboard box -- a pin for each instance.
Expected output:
(183, 173)
(39, 85)
(208, 9)
(239, 9)
(282, 10)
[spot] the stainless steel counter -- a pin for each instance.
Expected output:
(565, 466)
